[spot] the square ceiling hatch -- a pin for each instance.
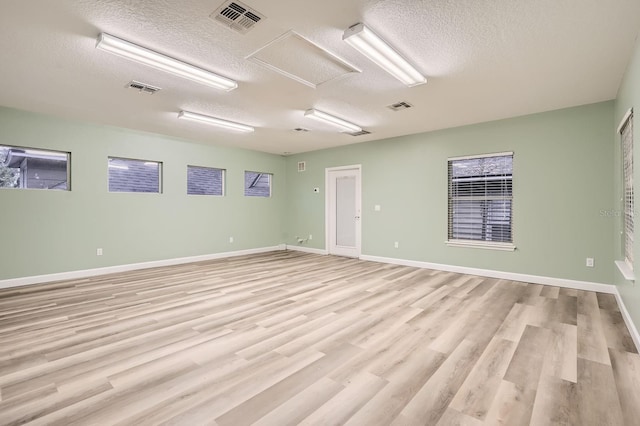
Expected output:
(299, 59)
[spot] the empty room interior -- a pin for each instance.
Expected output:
(360, 212)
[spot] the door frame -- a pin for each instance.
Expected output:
(328, 203)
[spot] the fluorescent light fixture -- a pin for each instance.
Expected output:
(376, 49)
(140, 54)
(343, 125)
(186, 115)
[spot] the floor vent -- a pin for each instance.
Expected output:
(237, 16)
(142, 87)
(302, 166)
(399, 106)
(360, 133)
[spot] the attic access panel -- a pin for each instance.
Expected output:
(301, 60)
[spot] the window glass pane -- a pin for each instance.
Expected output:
(480, 198)
(346, 211)
(205, 181)
(33, 168)
(628, 198)
(127, 175)
(257, 184)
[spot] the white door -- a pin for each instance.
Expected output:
(343, 211)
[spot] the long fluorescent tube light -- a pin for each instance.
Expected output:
(376, 49)
(140, 54)
(334, 121)
(186, 115)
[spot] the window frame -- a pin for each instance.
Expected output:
(160, 165)
(223, 185)
(626, 140)
(471, 243)
(259, 174)
(42, 152)
(628, 196)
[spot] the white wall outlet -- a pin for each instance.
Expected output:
(310, 237)
(230, 239)
(590, 262)
(396, 244)
(99, 252)
(376, 207)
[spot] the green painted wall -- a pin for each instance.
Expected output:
(628, 97)
(563, 175)
(46, 232)
(564, 172)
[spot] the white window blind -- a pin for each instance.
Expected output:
(626, 134)
(480, 198)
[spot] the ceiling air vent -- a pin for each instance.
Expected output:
(399, 106)
(142, 87)
(360, 133)
(237, 16)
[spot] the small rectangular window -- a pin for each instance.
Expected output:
(205, 181)
(480, 200)
(257, 184)
(34, 168)
(126, 175)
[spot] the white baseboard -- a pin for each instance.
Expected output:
(627, 320)
(307, 249)
(73, 275)
(535, 279)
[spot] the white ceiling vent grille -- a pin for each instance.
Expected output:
(302, 166)
(237, 16)
(142, 87)
(399, 106)
(360, 133)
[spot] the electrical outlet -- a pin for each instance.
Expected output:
(99, 252)
(376, 208)
(230, 239)
(310, 237)
(590, 262)
(396, 244)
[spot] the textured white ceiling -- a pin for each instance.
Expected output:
(485, 60)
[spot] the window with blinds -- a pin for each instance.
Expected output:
(480, 199)
(626, 133)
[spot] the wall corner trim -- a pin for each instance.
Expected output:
(86, 273)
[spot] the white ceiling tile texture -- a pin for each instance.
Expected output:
(484, 60)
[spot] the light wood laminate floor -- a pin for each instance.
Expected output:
(287, 338)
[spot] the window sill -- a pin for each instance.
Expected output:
(625, 270)
(481, 245)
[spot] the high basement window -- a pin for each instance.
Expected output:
(34, 168)
(257, 184)
(205, 181)
(127, 175)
